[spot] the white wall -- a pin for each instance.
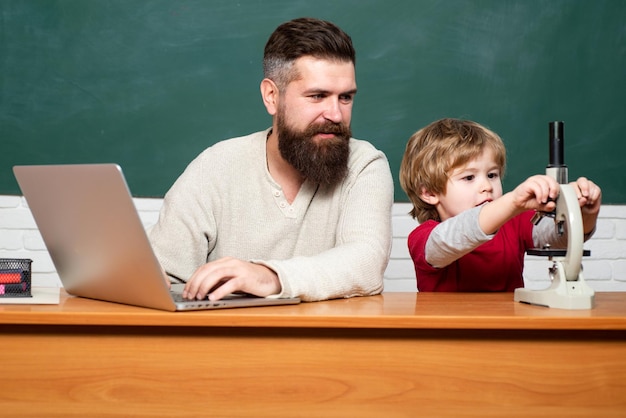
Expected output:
(605, 269)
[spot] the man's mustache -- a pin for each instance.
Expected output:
(329, 128)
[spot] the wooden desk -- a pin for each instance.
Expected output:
(398, 354)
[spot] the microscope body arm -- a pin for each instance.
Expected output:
(568, 213)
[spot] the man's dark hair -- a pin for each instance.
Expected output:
(304, 37)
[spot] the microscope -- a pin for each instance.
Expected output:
(568, 289)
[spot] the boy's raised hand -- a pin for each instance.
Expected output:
(588, 193)
(537, 192)
(589, 197)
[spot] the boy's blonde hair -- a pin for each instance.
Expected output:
(434, 151)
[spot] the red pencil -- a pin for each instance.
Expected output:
(10, 276)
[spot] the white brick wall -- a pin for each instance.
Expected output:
(605, 269)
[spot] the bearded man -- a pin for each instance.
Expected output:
(301, 209)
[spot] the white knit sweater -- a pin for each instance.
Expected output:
(329, 243)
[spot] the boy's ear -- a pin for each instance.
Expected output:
(429, 197)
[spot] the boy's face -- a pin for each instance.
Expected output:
(471, 185)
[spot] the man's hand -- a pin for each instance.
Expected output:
(227, 275)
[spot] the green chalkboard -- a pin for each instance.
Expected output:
(149, 84)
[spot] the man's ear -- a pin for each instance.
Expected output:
(429, 197)
(269, 93)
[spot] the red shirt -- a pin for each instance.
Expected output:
(495, 266)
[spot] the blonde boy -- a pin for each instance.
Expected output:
(472, 237)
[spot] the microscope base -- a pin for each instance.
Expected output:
(562, 294)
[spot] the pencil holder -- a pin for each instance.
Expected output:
(15, 277)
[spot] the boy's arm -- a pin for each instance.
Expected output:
(537, 192)
(459, 235)
(455, 237)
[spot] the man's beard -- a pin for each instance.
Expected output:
(324, 162)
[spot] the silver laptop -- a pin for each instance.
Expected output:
(87, 218)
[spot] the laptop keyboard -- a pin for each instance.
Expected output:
(178, 297)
